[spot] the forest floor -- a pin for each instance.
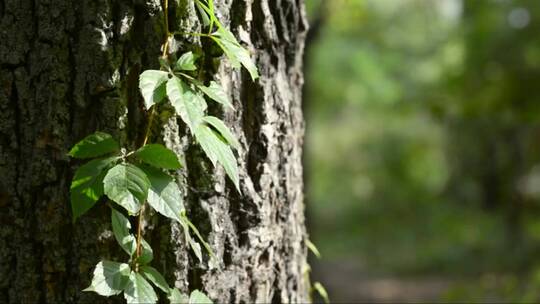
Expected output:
(347, 282)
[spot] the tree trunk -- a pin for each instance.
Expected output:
(69, 68)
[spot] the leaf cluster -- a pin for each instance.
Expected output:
(186, 95)
(130, 179)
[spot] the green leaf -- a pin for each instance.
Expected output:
(322, 292)
(176, 297)
(223, 130)
(155, 277)
(93, 145)
(313, 248)
(186, 62)
(164, 63)
(87, 185)
(164, 195)
(121, 229)
(234, 51)
(139, 291)
(198, 297)
(147, 255)
(218, 151)
(187, 225)
(212, 14)
(126, 185)
(204, 15)
(189, 105)
(127, 241)
(152, 86)
(216, 92)
(110, 278)
(196, 247)
(158, 156)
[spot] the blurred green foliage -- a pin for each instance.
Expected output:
(423, 135)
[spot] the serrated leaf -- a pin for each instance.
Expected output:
(223, 130)
(155, 277)
(216, 92)
(158, 156)
(152, 86)
(126, 185)
(94, 145)
(198, 297)
(176, 297)
(139, 291)
(186, 62)
(87, 185)
(189, 105)
(164, 195)
(234, 51)
(121, 229)
(218, 151)
(110, 278)
(147, 254)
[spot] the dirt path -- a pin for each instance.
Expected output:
(348, 283)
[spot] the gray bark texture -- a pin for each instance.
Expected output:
(69, 68)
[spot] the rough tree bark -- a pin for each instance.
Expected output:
(68, 68)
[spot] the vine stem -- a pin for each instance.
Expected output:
(148, 128)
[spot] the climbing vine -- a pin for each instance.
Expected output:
(134, 180)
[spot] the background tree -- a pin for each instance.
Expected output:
(432, 116)
(69, 68)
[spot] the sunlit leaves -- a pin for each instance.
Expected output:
(155, 277)
(139, 291)
(140, 175)
(223, 130)
(218, 151)
(94, 145)
(186, 62)
(164, 195)
(235, 52)
(216, 92)
(187, 103)
(191, 106)
(110, 278)
(198, 297)
(152, 86)
(176, 297)
(126, 185)
(158, 156)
